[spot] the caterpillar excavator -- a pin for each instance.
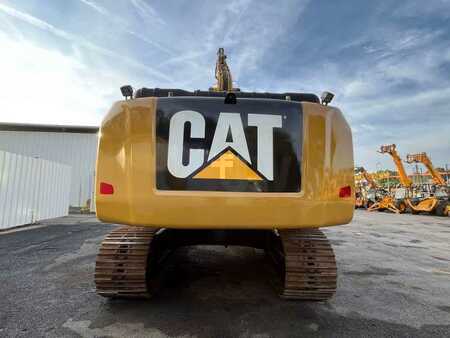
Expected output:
(222, 167)
(396, 203)
(437, 202)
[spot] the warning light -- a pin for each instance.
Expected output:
(345, 191)
(106, 188)
(127, 91)
(326, 98)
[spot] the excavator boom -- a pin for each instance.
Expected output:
(222, 74)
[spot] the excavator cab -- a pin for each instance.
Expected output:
(180, 168)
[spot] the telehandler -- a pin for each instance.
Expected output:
(437, 201)
(222, 167)
(397, 203)
(366, 196)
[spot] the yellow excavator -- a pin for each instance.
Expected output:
(222, 167)
(397, 202)
(437, 201)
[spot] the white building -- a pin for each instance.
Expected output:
(75, 146)
(32, 189)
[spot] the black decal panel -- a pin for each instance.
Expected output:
(286, 148)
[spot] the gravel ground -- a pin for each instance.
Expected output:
(394, 280)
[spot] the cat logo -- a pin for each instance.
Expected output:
(203, 144)
(228, 156)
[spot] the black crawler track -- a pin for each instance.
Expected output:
(130, 257)
(305, 263)
(121, 268)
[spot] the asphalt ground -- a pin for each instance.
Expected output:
(394, 280)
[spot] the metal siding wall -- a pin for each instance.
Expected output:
(32, 189)
(74, 149)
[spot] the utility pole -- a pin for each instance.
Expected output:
(446, 174)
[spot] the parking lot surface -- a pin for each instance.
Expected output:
(394, 280)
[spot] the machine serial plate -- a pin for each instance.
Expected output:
(251, 146)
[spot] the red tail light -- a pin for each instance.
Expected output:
(106, 188)
(345, 191)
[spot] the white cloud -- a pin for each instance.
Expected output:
(435, 142)
(250, 29)
(34, 21)
(405, 102)
(100, 9)
(44, 86)
(439, 8)
(147, 12)
(358, 88)
(123, 25)
(38, 23)
(389, 78)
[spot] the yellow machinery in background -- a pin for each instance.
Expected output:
(387, 202)
(360, 190)
(370, 181)
(437, 201)
(222, 167)
(425, 160)
(396, 203)
(366, 196)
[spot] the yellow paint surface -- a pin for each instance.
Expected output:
(127, 159)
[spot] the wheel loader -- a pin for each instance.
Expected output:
(222, 167)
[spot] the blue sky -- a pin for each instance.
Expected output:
(387, 61)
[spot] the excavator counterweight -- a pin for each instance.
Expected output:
(264, 170)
